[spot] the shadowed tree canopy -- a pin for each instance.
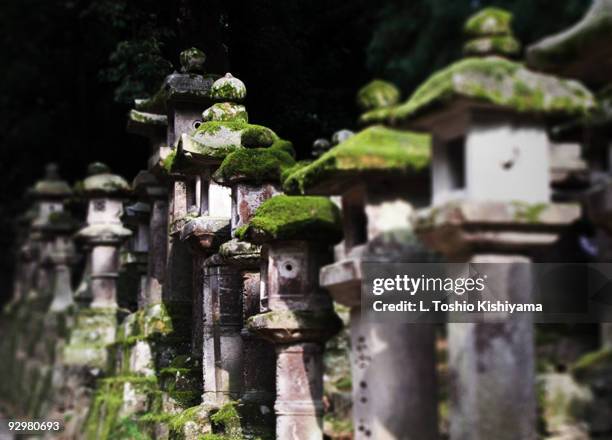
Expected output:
(71, 69)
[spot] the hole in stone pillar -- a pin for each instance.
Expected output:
(288, 267)
(196, 124)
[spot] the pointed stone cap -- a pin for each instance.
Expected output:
(491, 34)
(51, 186)
(192, 60)
(374, 152)
(320, 146)
(377, 94)
(302, 218)
(229, 89)
(102, 182)
(583, 51)
(341, 136)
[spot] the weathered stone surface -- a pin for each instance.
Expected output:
(225, 111)
(467, 227)
(491, 365)
(580, 51)
(206, 233)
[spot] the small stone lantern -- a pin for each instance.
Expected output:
(378, 173)
(49, 195)
(296, 234)
(137, 218)
(487, 115)
(104, 232)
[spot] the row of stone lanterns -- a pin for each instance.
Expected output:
(249, 272)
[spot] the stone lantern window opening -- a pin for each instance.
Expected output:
(354, 218)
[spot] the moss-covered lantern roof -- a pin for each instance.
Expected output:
(376, 151)
(583, 51)
(256, 165)
(103, 183)
(284, 218)
(489, 80)
(51, 186)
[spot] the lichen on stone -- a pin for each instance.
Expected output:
(286, 322)
(225, 111)
(489, 21)
(228, 88)
(558, 52)
(143, 117)
(377, 94)
(492, 80)
(375, 149)
(294, 218)
(497, 44)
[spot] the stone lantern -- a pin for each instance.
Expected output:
(487, 115)
(296, 234)
(49, 195)
(137, 218)
(379, 174)
(104, 232)
(254, 175)
(149, 119)
(103, 235)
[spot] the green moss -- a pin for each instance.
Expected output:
(103, 421)
(194, 414)
(489, 21)
(377, 94)
(168, 161)
(344, 384)
(185, 399)
(527, 212)
(591, 363)
(492, 80)
(254, 165)
(293, 169)
(257, 136)
(294, 218)
(375, 149)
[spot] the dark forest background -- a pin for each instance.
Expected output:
(71, 69)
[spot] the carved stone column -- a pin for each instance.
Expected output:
(296, 233)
